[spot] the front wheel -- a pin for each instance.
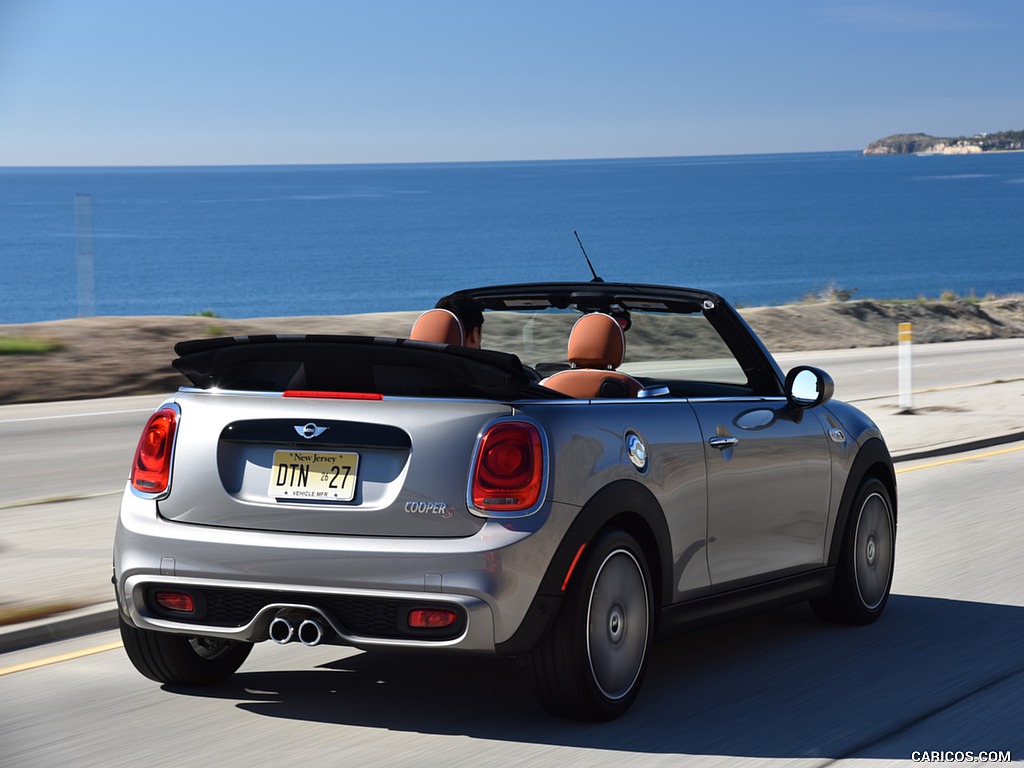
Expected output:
(591, 663)
(866, 557)
(182, 660)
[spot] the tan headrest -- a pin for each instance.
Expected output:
(597, 341)
(438, 325)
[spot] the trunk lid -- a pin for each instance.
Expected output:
(326, 466)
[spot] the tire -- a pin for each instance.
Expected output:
(864, 573)
(591, 663)
(182, 660)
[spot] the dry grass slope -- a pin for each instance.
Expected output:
(110, 356)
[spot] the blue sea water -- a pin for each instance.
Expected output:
(304, 240)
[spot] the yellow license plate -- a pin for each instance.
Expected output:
(312, 475)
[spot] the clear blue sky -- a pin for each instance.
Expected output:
(144, 82)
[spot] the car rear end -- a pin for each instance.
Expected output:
(355, 519)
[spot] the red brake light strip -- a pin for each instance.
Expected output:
(333, 395)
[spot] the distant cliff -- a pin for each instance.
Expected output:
(914, 143)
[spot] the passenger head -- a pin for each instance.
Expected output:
(470, 314)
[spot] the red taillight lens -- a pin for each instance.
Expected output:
(509, 472)
(432, 618)
(151, 470)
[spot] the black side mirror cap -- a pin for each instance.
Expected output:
(808, 387)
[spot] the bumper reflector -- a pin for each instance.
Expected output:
(431, 618)
(175, 601)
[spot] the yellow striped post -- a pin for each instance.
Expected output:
(906, 338)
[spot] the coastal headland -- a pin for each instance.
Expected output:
(95, 357)
(923, 144)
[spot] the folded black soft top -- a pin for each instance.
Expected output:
(367, 364)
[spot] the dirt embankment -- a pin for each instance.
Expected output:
(109, 356)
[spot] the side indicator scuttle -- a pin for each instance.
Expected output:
(151, 467)
(509, 474)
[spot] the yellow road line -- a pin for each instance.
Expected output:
(958, 459)
(58, 659)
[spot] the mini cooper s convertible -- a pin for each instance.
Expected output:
(620, 462)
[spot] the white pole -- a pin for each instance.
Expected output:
(86, 257)
(906, 336)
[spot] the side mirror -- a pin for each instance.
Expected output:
(807, 387)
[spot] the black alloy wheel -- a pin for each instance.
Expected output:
(592, 662)
(866, 559)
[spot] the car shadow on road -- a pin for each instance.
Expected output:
(777, 685)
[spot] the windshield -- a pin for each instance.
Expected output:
(659, 346)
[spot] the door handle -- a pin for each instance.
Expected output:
(721, 443)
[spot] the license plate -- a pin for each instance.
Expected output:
(309, 475)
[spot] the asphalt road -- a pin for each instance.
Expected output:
(943, 670)
(60, 450)
(868, 373)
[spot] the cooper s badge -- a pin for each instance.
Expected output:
(434, 508)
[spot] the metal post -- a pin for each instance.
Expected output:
(906, 336)
(86, 257)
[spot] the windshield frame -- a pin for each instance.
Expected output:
(764, 376)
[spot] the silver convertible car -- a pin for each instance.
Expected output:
(621, 462)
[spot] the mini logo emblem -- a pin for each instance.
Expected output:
(636, 450)
(310, 430)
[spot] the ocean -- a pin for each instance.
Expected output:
(267, 241)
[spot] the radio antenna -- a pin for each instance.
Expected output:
(596, 278)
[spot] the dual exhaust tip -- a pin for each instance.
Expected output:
(310, 632)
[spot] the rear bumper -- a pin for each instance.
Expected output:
(489, 579)
(473, 631)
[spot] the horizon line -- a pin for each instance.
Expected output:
(141, 166)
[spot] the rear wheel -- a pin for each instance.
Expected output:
(591, 663)
(182, 660)
(864, 574)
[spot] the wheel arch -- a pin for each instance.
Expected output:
(873, 460)
(627, 505)
(623, 504)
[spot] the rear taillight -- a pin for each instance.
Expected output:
(508, 474)
(151, 470)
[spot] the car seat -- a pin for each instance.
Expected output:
(597, 346)
(438, 325)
